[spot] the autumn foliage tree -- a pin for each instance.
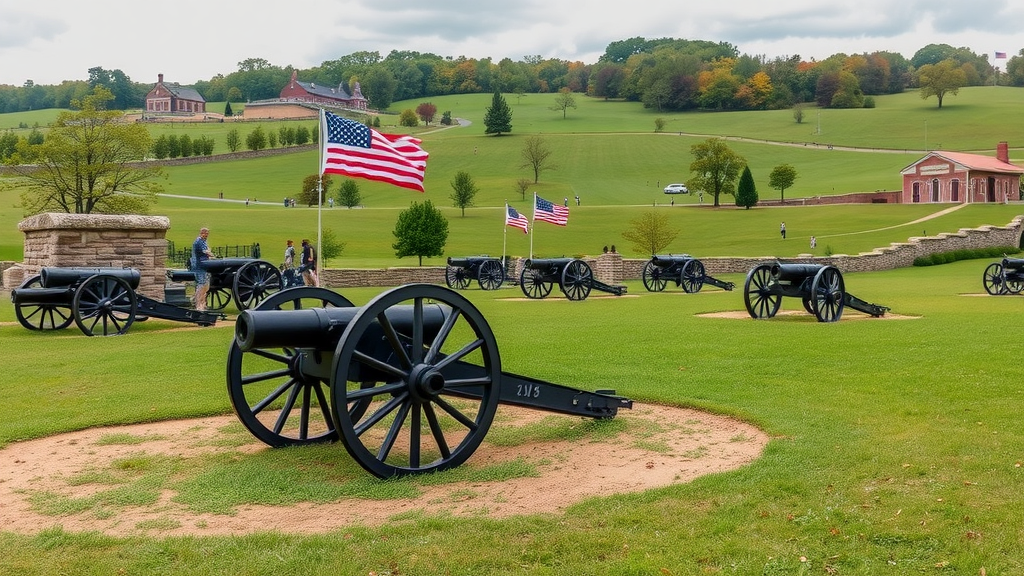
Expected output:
(426, 111)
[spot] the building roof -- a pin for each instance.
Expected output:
(338, 93)
(184, 92)
(966, 161)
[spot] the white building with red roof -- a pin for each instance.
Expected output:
(960, 177)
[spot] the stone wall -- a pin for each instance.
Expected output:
(94, 240)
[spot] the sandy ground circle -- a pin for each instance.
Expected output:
(677, 446)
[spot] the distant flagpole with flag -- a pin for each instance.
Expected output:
(1000, 55)
(546, 211)
(516, 220)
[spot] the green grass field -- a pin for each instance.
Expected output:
(896, 443)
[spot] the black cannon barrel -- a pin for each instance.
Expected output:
(181, 276)
(42, 296)
(794, 272)
(467, 261)
(543, 263)
(321, 328)
(667, 261)
(64, 277)
(1013, 264)
(216, 265)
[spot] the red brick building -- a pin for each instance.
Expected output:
(297, 91)
(962, 178)
(170, 98)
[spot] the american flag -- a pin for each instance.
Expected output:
(353, 149)
(516, 220)
(1000, 54)
(548, 212)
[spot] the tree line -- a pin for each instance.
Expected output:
(664, 74)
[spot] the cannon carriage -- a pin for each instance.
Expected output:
(409, 383)
(1005, 277)
(574, 278)
(821, 289)
(247, 281)
(101, 301)
(489, 272)
(686, 271)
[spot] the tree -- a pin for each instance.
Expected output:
(234, 140)
(256, 140)
(650, 232)
(227, 109)
(348, 194)
(408, 118)
(330, 246)
(311, 194)
(498, 117)
(716, 167)
(90, 162)
(463, 190)
(563, 101)
(940, 79)
(426, 111)
(659, 124)
(535, 156)
(522, 185)
(782, 177)
(798, 112)
(746, 192)
(421, 231)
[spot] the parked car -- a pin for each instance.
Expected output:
(676, 189)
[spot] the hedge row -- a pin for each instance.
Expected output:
(966, 254)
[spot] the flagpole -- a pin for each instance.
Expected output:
(320, 189)
(533, 219)
(504, 239)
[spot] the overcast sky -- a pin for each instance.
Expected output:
(48, 41)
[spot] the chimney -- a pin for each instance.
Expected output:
(159, 78)
(1003, 152)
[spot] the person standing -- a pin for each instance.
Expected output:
(782, 230)
(814, 242)
(308, 266)
(577, 199)
(200, 255)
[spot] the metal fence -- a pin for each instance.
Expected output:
(179, 258)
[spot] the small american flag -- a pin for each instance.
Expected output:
(516, 220)
(1000, 54)
(353, 149)
(548, 212)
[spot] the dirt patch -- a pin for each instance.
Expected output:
(847, 315)
(661, 446)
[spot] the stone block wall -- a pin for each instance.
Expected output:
(94, 240)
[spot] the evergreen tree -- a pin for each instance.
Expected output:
(227, 110)
(746, 192)
(498, 118)
(420, 231)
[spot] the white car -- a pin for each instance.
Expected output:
(676, 189)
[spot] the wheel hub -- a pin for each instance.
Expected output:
(425, 381)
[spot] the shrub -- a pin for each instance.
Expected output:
(965, 254)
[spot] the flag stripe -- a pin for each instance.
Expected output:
(546, 211)
(516, 220)
(352, 149)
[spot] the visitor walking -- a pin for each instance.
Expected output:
(814, 242)
(200, 255)
(782, 230)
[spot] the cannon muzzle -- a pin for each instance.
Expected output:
(321, 328)
(64, 277)
(1013, 264)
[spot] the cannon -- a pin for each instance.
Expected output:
(488, 272)
(574, 277)
(247, 280)
(820, 288)
(100, 301)
(409, 383)
(685, 270)
(1006, 277)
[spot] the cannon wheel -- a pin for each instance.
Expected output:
(42, 316)
(491, 275)
(217, 298)
(757, 293)
(431, 413)
(532, 283)
(577, 280)
(104, 305)
(255, 281)
(272, 398)
(455, 277)
(652, 277)
(993, 280)
(828, 290)
(692, 276)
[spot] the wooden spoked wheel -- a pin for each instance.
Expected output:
(104, 305)
(273, 397)
(993, 280)
(254, 282)
(217, 298)
(456, 277)
(49, 316)
(653, 278)
(691, 277)
(532, 283)
(491, 275)
(828, 294)
(433, 389)
(761, 302)
(577, 280)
